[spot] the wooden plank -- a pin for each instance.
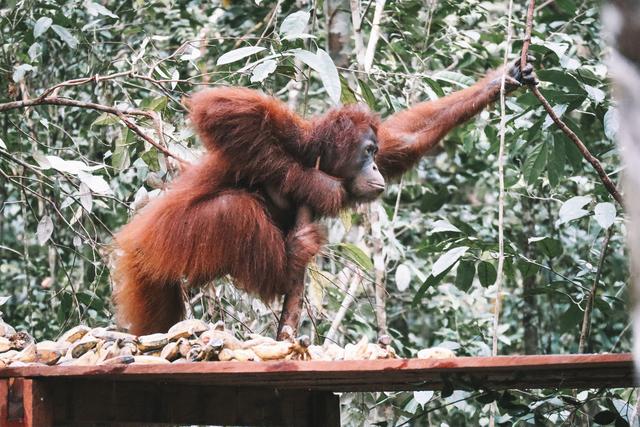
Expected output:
(4, 402)
(15, 403)
(540, 371)
(85, 402)
(24, 403)
(37, 403)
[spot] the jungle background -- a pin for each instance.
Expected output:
(419, 265)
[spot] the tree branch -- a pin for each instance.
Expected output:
(120, 113)
(349, 297)
(606, 181)
(586, 318)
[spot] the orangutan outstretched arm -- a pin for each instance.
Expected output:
(408, 135)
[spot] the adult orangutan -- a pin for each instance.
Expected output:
(235, 211)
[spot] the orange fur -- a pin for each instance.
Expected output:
(217, 217)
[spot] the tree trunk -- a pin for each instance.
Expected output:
(622, 21)
(338, 31)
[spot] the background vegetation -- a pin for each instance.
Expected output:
(70, 175)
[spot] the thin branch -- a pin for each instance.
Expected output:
(503, 122)
(81, 81)
(544, 4)
(120, 113)
(344, 307)
(586, 318)
(503, 129)
(608, 183)
(379, 267)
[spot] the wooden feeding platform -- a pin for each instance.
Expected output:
(271, 393)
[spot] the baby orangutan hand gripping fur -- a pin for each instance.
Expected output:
(235, 211)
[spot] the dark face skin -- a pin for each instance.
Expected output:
(364, 181)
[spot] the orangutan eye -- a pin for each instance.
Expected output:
(372, 149)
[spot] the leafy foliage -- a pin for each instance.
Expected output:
(71, 176)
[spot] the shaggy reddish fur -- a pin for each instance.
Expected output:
(216, 218)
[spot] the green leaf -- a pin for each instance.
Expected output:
(90, 300)
(605, 417)
(151, 159)
(535, 163)
(447, 260)
(96, 183)
(64, 309)
(597, 95)
(403, 277)
(433, 199)
(549, 246)
(559, 109)
(238, 54)
(528, 269)
(571, 151)
(442, 225)
(157, 103)
(357, 255)
(66, 36)
(572, 209)
(487, 397)
(120, 159)
(486, 273)
(293, 26)
(322, 63)
(367, 94)
(41, 26)
(568, 6)
(429, 282)
(45, 229)
(556, 163)
(105, 119)
(96, 9)
(263, 70)
(423, 397)
(347, 96)
(558, 48)
(20, 71)
(464, 275)
(86, 199)
(68, 166)
(560, 78)
(435, 86)
(605, 214)
(456, 78)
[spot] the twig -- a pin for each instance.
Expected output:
(544, 4)
(608, 184)
(379, 266)
(120, 113)
(503, 126)
(83, 80)
(344, 307)
(620, 335)
(586, 318)
(176, 52)
(503, 122)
